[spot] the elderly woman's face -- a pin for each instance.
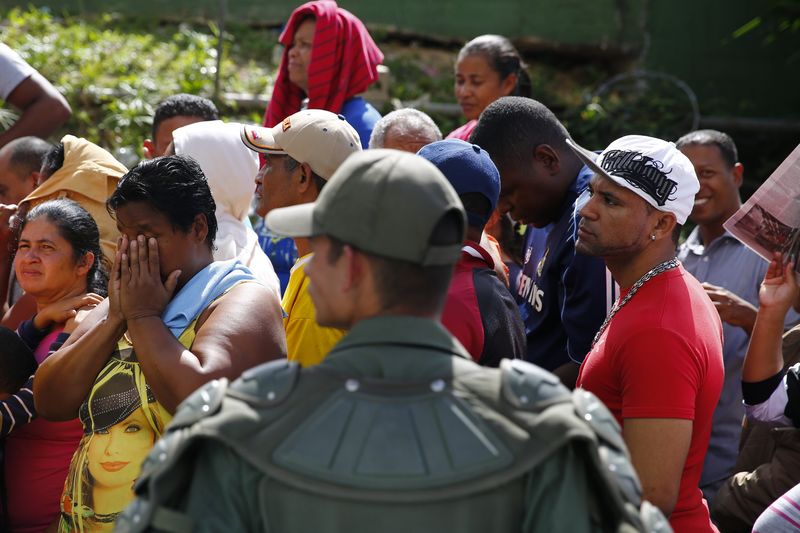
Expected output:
(300, 53)
(45, 264)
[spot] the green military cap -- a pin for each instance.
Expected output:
(384, 202)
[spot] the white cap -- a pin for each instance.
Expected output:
(314, 136)
(652, 168)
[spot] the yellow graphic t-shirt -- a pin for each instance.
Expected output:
(121, 422)
(306, 341)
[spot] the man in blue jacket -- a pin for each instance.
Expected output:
(564, 296)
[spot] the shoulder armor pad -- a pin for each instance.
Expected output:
(145, 512)
(653, 519)
(142, 515)
(524, 385)
(133, 519)
(266, 384)
(368, 440)
(619, 467)
(200, 404)
(611, 447)
(596, 414)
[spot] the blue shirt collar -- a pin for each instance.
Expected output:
(204, 287)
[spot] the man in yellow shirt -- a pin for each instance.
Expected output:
(300, 154)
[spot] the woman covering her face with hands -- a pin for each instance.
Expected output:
(174, 320)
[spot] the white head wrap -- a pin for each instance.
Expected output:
(230, 168)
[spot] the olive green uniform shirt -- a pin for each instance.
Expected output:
(397, 430)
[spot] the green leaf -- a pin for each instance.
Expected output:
(747, 27)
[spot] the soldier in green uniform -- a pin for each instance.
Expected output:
(397, 430)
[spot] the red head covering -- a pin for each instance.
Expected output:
(344, 62)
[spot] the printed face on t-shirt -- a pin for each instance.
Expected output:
(115, 454)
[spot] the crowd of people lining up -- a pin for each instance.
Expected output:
(385, 334)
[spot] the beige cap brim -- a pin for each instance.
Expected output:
(293, 221)
(261, 140)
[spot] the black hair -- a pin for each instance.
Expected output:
(676, 231)
(408, 285)
(17, 362)
(512, 126)
(290, 164)
(676, 234)
(503, 58)
(402, 284)
(477, 204)
(28, 153)
(510, 238)
(76, 226)
(53, 160)
(173, 185)
(184, 105)
(719, 139)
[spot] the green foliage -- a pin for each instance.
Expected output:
(779, 21)
(412, 78)
(639, 102)
(418, 76)
(115, 71)
(7, 118)
(425, 75)
(747, 27)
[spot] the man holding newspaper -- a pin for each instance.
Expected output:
(731, 274)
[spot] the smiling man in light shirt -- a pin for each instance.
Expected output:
(731, 274)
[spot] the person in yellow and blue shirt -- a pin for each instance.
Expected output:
(300, 154)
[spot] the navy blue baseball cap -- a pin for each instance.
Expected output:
(469, 169)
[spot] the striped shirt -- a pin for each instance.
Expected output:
(17, 409)
(783, 516)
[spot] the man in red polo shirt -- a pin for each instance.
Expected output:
(656, 361)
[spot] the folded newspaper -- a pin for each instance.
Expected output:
(769, 221)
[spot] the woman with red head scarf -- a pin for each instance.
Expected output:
(329, 59)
